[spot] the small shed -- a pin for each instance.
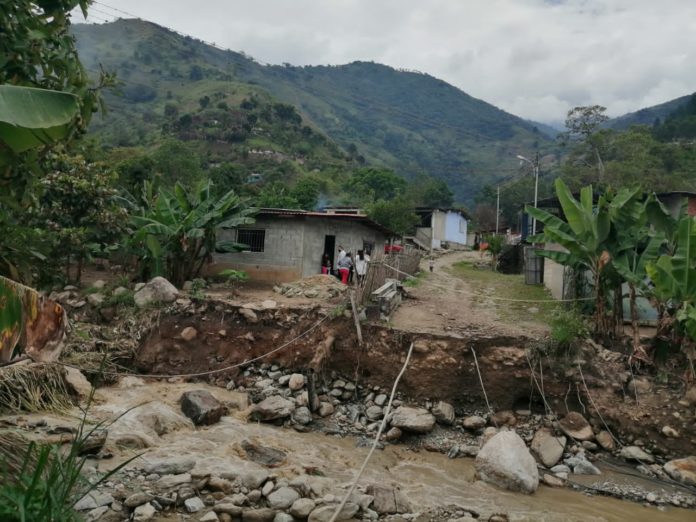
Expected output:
(441, 225)
(286, 244)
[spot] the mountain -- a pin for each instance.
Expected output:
(648, 115)
(408, 121)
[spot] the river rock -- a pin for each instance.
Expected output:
(264, 455)
(228, 508)
(249, 315)
(547, 448)
(388, 500)
(682, 470)
(194, 504)
(576, 426)
(201, 407)
(474, 422)
(158, 290)
(169, 465)
(381, 399)
(443, 413)
(552, 480)
(95, 299)
(503, 418)
(639, 385)
(296, 381)
(506, 462)
(210, 516)
(272, 408)
(636, 454)
(324, 513)
(189, 333)
(606, 441)
(416, 420)
(93, 500)
(137, 499)
(670, 432)
(144, 512)
(258, 515)
(302, 507)
(325, 409)
(302, 415)
(171, 481)
(283, 498)
(582, 466)
(374, 413)
(283, 517)
(94, 442)
(77, 383)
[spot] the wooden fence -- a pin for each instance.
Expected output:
(387, 266)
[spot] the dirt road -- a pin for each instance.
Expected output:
(446, 302)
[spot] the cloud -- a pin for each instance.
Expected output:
(534, 58)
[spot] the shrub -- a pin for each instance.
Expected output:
(567, 328)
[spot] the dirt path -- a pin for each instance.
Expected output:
(444, 302)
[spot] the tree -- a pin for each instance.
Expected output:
(276, 195)
(175, 161)
(396, 214)
(583, 124)
(306, 193)
(431, 192)
(370, 184)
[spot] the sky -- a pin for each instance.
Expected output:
(533, 58)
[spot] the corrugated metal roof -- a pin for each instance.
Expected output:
(362, 218)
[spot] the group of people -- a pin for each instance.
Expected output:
(346, 265)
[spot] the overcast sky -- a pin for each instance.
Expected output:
(534, 58)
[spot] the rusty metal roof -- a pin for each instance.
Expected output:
(291, 212)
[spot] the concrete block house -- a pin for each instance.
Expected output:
(286, 245)
(441, 225)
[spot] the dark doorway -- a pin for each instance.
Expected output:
(330, 248)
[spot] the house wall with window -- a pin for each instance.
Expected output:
(288, 247)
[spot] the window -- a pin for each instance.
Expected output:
(254, 239)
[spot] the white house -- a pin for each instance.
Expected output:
(440, 227)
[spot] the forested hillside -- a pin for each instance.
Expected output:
(408, 121)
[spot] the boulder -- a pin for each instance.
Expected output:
(606, 441)
(388, 500)
(302, 507)
(201, 407)
(172, 481)
(416, 420)
(296, 381)
(506, 462)
(249, 315)
(77, 383)
(302, 416)
(95, 299)
(682, 470)
(576, 426)
(636, 454)
(194, 504)
(119, 290)
(93, 500)
(158, 290)
(210, 516)
(272, 408)
(144, 512)
(228, 508)
(582, 466)
(324, 513)
(503, 418)
(137, 499)
(264, 455)
(259, 515)
(474, 422)
(325, 409)
(393, 434)
(283, 498)
(547, 448)
(189, 333)
(443, 413)
(374, 413)
(169, 465)
(283, 517)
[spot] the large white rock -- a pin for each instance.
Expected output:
(683, 470)
(158, 290)
(506, 462)
(547, 448)
(272, 408)
(416, 420)
(283, 498)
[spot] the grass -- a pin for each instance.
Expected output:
(486, 283)
(33, 387)
(413, 282)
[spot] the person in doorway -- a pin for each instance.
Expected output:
(361, 266)
(325, 264)
(341, 253)
(344, 265)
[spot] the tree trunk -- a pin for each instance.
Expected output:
(634, 316)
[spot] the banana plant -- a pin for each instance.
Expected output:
(179, 228)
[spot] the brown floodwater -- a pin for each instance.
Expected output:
(429, 479)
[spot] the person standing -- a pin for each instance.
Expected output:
(344, 265)
(325, 264)
(361, 266)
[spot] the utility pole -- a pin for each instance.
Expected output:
(497, 212)
(536, 189)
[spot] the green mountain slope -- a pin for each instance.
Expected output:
(408, 121)
(648, 115)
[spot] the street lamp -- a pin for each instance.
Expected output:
(535, 168)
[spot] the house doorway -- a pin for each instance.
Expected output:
(330, 248)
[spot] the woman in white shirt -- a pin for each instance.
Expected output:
(361, 266)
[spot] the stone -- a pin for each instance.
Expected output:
(259, 515)
(93, 500)
(267, 488)
(640, 385)
(302, 507)
(96, 514)
(374, 413)
(636, 454)
(582, 466)
(119, 290)
(547, 448)
(249, 315)
(283, 517)
(474, 422)
(682, 470)
(94, 442)
(302, 416)
(77, 383)
(202, 407)
(229, 509)
(264, 455)
(95, 299)
(416, 420)
(138, 286)
(393, 434)
(388, 500)
(296, 381)
(130, 382)
(220, 484)
(560, 468)
(506, 462)
(269, 304)
(282, 498)
(488, 434)
(576, 426)
(381, 399)
(137, 499)
(670, 432)
(189, 333)
(171, 481)
(325, 409)
(324, 513)
(272, 408)
(443, 413)
(194, 504)
(503, 418)
(606, 441)
(144, 512)
(210, 516)
(589, 445)
(169, 465)
(99, 284)
(158, 290)
(552, 480)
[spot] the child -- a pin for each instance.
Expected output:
(431, 263)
